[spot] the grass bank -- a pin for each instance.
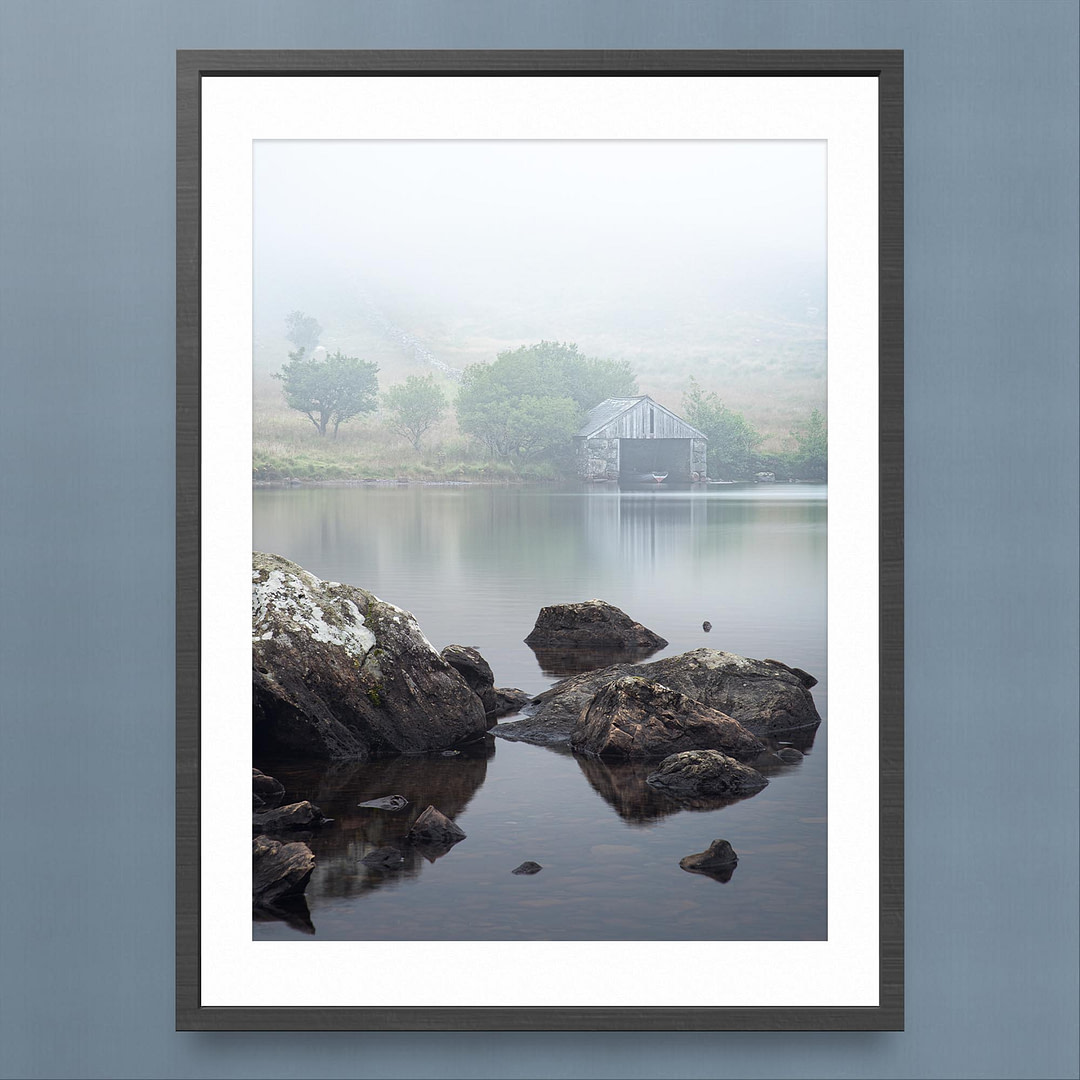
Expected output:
(285, 446)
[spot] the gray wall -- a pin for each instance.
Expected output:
(86, 533)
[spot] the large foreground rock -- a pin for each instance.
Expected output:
(705, 772)
(591, 623)
(632, 717)
(278, 870)
(338, 673)
(765, 696)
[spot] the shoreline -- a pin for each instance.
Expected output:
(404, 481)
(408, 481)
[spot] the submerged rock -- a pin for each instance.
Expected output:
(705, 772)
(527, 868)
(717, 861)
(632, 717)
(393, 803)
(338, 673)
(766, 697)
(299, 815)
(384, 858)
(591, 623)
(789, 755)
(279, 870)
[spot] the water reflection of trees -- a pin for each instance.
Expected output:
(448, 783)
(446, 530)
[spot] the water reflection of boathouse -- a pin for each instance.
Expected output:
(631, 438)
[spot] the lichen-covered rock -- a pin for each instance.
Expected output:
(705, 772)
(632, 717)
(591, 623)
(298, 815)
(766, 697)
(340, 674)
(278, 870)
(804, 677)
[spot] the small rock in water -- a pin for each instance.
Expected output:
(450, 753)
(390, 802)
(789, 755)
(527, 868)
(705, 772)
(384, 858)
(717, 861)
(434, 827)
(706, 626)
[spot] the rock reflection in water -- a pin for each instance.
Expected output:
(561, 662)
(292, 911)
(448, 783)
(621, 783)
(723, 874)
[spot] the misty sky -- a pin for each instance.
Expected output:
(472, 223)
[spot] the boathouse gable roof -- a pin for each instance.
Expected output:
(627, 418)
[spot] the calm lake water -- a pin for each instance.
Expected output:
(475, 565)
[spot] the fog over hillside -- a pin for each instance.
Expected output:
(685, 258)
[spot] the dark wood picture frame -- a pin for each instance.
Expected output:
(192, 68)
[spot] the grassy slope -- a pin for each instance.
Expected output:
(770, 365)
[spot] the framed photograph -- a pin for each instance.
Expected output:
(541, 416)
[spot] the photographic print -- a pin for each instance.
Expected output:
(552, 417)
(539, 428)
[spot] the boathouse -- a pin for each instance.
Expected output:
(634, 438)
